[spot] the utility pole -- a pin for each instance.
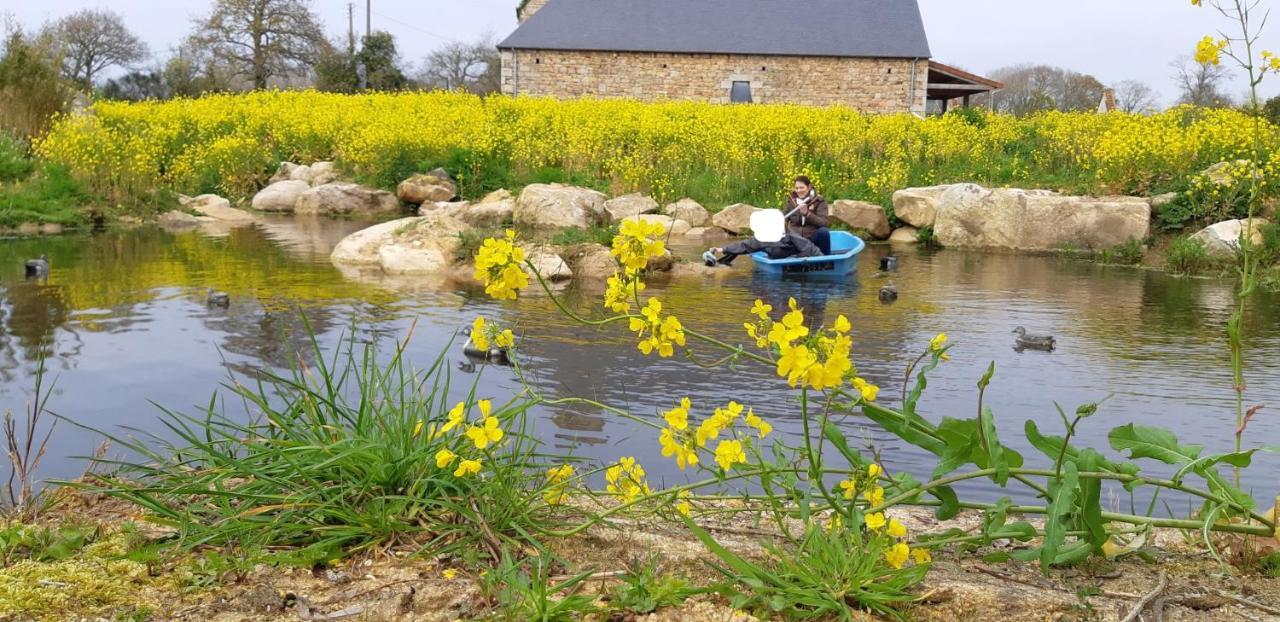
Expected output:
(368, 17)
(351, 27)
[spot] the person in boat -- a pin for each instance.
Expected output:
(806, 234)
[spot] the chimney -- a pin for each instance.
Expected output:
(527, 8)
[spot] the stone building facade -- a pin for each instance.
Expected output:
(878, 85)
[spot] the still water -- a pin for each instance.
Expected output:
(124, 326)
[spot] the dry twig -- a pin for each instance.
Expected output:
(1150, 596)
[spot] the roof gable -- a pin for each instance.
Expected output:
(855, 28)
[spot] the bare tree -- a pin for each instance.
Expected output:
(1035, 88)
(474, 67)
(261, 39)
(1134, 96)
(1200, 84)
(92, 40)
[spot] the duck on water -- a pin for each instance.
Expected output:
(494, 355)
(38, 268)
(1027, 341)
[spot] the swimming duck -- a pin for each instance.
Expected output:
(218, 299)
(38, 268)
(1034, 342)
(494, 355)
(889, 263)
(888, 293)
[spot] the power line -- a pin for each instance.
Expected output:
(412, 27)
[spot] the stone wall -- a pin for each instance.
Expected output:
(878, 85)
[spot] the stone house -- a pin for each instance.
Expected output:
(872, 55)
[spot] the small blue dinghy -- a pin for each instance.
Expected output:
(842, 261)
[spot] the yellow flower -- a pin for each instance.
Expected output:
(897, 555)
(449, 574)
(842, 324)
(486, 433)
(417, 428)
(761, 310)
(874, 496)
(626, 480)
(1209, 51)
(874, 470)
(897, 529)
(729, 453)
(467, 467)
(683, 507)
(921, 556)
(444, 458)
(790, 328)
(678, 417)
(868, 391)
(455, 417)
(486, 406)
(560, 474)
(478, 336)
(849, 487)
(794, 361)
(875, 522)
(938, 342)
(671, 447)
(505, 339)
(759, 424)
(762, 341)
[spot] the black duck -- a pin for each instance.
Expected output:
(1027, 341)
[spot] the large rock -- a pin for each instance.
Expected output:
(290, 171)
(214, 206)
(862, 216)
(323, 173)
(592, 261)
(340, 198)
(735, 219)
(628, 205)
(556, 206)
(426, 188)
(548, 263)
(416, 245)
(1222, 239)
(689, 211)
(281, 196)
(496, 209)
(918, 207)
(1227, 173)
(972, 216)
(905, 235)
(175, 219)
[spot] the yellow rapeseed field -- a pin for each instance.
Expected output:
(715, 153)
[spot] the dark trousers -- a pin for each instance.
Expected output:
(822, 239)
(791, 245)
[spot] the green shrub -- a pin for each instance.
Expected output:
(1269, 250)
(1129, 253)
(596, 235)
(14, 163)
(1187, 256)
(31, 89)
(49, 195)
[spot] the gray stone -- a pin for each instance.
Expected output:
(918, 206)
(175, 219)
(556, 206)
(862, 216)
(415, 245)
(496, 209)
(592, 261)
(421, 189)
(343, 198)
(905, 235)
(547, 263)
(215, 207)
(689, 211)
(50, 228)
(290, 171)
(281, 196)
(972, 216)
(735, 219)
(626, 206)
(323, 173)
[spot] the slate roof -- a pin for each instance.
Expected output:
(844, 28)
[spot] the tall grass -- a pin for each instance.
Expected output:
(342, 458)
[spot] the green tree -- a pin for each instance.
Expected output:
(380, 61)
(1271, 109)
(136, 86)
(31, 89)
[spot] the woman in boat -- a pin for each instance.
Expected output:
(807, 234)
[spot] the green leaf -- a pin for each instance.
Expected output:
(909, 405)
(998, 457)
(841, 444)
(911, 428)
(1057, 520)
(985, 380)
(1091, 500)
(950, 502)
(1152, 442)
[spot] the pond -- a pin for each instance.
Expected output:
(124, 326)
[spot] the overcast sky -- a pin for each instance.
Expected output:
(1111, 39)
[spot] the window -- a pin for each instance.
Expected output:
(740, 93)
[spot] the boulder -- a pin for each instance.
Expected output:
(50, 228)
(918, 206)
(556, 206)
(289, 171)
(496, 209)
(905, 235)
(1160, 200)
(175, 219)
(280, 196)
(549, 264)
(625, 206)
(1222, 239)
(415, 245)
(426, 188)
(342, 198)
(972, 216)
(735, 219)
(215, 207)
(689, 211)
(592, 261)
(862, 216)
(455, 209)
(323, 173)
(1225, 173)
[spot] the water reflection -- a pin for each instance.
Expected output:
(122, 319)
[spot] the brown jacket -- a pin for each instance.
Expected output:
(807, 224)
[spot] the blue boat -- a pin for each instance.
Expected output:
(842, 261)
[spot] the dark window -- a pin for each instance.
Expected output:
(740, 93)
(537, 61)
(762, 68)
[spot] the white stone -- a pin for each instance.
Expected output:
(593, 261)
(556, 206)
(343, 198)
(550, 265)
(323, 173)
(1222, 239)
(918, 206)
(862, 216)
(735, 219)
(398, 259)
(905, 235)
(281, 196)
(496, 209)
(972, 216)
(415, 245)
(625, 206)
(426, 188)
(689, 211)
(216, 207)
(175, 219)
